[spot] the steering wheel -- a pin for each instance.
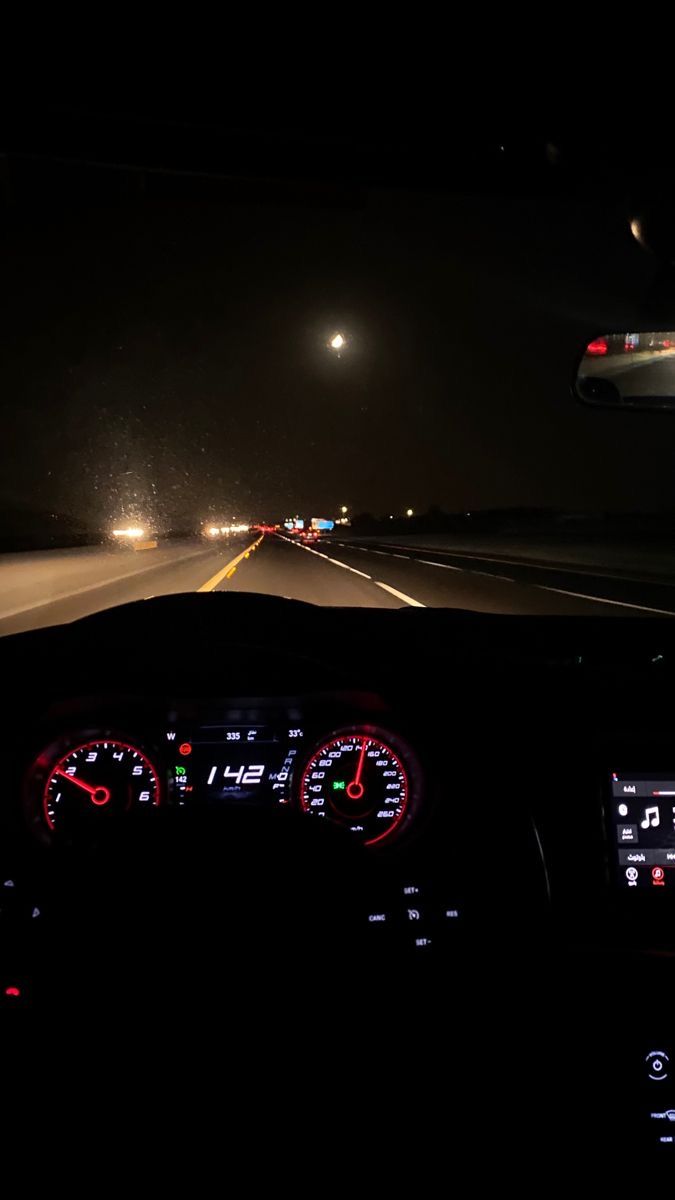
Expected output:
(198, 908)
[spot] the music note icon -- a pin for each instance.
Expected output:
(651, 817)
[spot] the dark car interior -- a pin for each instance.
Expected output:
(498, 902)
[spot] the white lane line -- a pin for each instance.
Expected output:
(662, 612)
(405, 556)
(336, 561)
(569, 569)
(399, 595)
(491, 575)
(346, 568)
(387, 588)
(428, 563)
(94, 587)
(386, 553)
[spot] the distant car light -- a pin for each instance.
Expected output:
(597, 348)
(133, 532)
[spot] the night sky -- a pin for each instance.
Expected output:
(166, 356)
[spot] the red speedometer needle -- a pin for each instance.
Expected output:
(355, 789)
(97, 795)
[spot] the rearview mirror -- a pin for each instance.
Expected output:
(628, 370)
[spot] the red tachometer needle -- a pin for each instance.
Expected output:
(355, 789)
(97, 795)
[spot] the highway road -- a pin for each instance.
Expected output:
(641, 374)
(45, 588)
(648, 379)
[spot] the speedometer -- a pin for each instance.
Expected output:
(98, 777)
(358, 780)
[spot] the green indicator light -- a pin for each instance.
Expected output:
(180, 770)
(338, 785)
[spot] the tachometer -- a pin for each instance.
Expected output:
(99, 777)
(358, 780)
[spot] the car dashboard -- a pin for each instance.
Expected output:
(454, 801)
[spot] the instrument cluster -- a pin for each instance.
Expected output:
(358, 775)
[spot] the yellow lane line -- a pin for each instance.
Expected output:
(229, 569)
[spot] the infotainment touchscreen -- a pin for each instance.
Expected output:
(642, 828)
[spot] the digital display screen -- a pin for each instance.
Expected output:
(642, 823)
(235, 762)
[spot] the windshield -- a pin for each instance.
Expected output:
(345, 393)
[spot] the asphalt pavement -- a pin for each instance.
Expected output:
(54, 586)
(648, 379)
(640, 374)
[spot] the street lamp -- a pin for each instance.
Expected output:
(344, 510)
(408, 512)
